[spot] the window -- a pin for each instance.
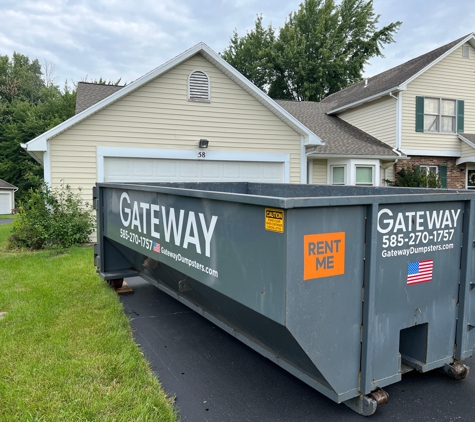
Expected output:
(198, 87)
(471, 179)
(430, 169)
(364, 175)
(439, 115)
(440, 173)
(338, 175)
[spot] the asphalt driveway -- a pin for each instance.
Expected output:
(6, 220)
(216, 378)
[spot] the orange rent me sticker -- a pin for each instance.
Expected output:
(324, 255)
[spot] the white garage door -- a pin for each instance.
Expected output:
(173, 170)
(5, 203)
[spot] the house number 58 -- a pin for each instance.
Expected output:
(201, 154)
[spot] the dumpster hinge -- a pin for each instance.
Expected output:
(472, 286)
(470, 327)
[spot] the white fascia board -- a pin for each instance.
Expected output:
(429, 153)
(355, 157)
(367, 99)
(469, 143)
(37, 155)
(463, 160)
(40, 141)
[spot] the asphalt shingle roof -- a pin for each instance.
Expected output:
(340, 137)
(89, 94)
(468, 136)
(5, 185)
(387, 80)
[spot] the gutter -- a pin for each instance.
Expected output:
(368, 99)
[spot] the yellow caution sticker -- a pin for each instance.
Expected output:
(275, 220)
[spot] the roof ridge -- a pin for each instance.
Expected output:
(392, 77)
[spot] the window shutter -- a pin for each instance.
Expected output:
(460, 115)
(419, 114)
(443, 176)
(199, 86)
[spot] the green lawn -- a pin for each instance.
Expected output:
(8, 216)
(66, 347)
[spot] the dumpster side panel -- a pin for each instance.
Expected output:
(415, 304)
(324, 290)
(223, 246)
(238, 319)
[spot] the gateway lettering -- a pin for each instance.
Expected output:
(135, 215)
(416, 220)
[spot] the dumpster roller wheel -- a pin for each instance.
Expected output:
(116, 283)
(457, 371)
(367, 405)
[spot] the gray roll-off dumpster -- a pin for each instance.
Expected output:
(347, 288)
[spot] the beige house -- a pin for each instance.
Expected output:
(424, 109)
(196, 118)
(157, 127)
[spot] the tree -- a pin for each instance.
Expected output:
(29, 105)
(321, 49)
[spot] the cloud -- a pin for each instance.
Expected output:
(127, 38)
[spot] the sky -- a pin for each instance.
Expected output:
(83, 40)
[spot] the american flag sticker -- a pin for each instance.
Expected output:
(156, 247)
(420, 271)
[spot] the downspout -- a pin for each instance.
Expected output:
(398, 117)
(398, 130)
(303, 162)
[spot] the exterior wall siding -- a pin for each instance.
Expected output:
(387, 173)
(159, 116)
(467, 150)
(319, 175)
(451, 78)
(378, 118)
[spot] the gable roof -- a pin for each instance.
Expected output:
(40, 142)
(88, 94)
(340, 137)
(6, 185)
(392, 80)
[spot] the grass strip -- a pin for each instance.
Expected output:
(66, 347)
(8, 216)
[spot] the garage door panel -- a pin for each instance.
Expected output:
(173, 170)
(5, 203)
(144, 168)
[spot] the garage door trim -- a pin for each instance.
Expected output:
(103, 152)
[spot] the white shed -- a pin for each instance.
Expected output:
(7, 197)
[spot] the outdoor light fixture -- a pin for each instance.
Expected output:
(203, 143)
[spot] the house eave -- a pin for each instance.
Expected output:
(353, 156)
(367, 99)
(40, 143)
(403, 86)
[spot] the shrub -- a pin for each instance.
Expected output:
(411, 175)
(49, 218)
